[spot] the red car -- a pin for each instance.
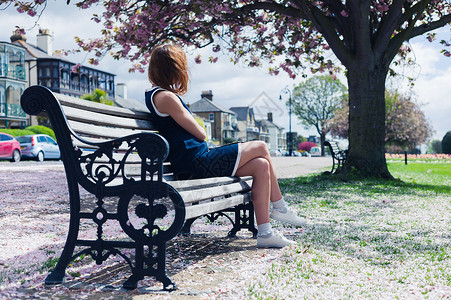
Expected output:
(9, 148)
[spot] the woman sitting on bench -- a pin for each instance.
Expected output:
(190, 156)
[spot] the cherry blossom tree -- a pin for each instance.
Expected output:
(406, 126)
(365, 36)
(315, 102)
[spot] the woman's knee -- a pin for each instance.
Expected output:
(261, 148)
(262, 166)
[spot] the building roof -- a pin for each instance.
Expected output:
(242, 112)
(130, 103)
(34, 53)
(206, 105)
(267, 123)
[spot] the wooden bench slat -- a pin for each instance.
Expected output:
(98, 118)
(108, 132)
(212, 192)
(195, 211)
(99, 107)
(181, 185)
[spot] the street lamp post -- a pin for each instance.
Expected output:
(290, 136)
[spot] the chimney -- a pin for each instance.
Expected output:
(121, 90)
(270, 116)
(18, 35)
(44, 41)
(207, 94)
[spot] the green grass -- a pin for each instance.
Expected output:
(368, 239)
(433, 174)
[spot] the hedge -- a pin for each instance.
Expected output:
(37, 129)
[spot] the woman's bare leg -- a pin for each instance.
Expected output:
(264, 190)
(259, 169)
(258, 149)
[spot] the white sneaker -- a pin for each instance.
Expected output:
(273, 240)
(288, 217)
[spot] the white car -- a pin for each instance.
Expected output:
(39, 146)
(315, 151)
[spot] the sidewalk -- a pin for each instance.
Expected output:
(289, 167)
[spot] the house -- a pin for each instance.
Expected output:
(223, 121)
(277, 137)
(59, 75)
(263, 128)
(12, 84)
(247, 127)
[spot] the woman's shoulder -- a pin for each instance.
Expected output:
(166, 101)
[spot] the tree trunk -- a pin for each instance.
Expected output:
(366, 152)
(323, 139)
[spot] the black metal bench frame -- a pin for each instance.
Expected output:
(338, 155)
(103, 174)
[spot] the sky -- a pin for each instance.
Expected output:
(234, 85)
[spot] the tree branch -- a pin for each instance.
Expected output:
(388, 24)
(431, 26)
(328, 29)
(275, 7)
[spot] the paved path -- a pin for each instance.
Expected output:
(286, 167)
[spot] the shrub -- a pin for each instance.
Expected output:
(306, 146)
(17, 132)
(446, 143)
(39, 129)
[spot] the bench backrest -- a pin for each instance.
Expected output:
(98, 122)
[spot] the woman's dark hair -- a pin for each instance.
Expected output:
(168, 69)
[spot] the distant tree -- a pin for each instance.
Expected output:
(435, 147)
(99, 96)
(406, 126)
(299, 139)
(446, 143)
(315, 102)
(306, 146)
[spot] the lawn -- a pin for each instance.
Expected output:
(367, 239)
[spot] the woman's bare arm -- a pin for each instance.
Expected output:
(168, 103)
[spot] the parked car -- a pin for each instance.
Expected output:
(315, 151)
(39, 147)
(9, 148)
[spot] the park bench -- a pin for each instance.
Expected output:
(117, 157)
(338, 155)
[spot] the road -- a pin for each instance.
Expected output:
(286, 167)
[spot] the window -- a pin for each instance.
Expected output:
(50, 141)
(4, 137)
(41, 139)
(212, 117)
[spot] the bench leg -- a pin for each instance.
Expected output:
(150, 263)
(244, 219)
(186, 229)
(58, 274)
